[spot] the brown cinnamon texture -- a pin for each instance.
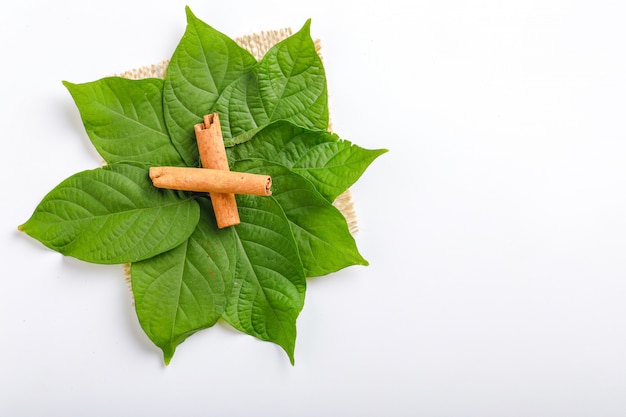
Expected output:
(211, 181)
(213, 156)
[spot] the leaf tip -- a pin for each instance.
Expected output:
(24, 227)
(378, 152)
(167, 356)
(67, 84)
(189, 14)
(290, 348)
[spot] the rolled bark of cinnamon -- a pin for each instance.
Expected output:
(213, 156)
(211, 181)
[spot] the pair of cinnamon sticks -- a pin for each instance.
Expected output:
(214, 177)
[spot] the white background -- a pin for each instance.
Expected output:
(495, 226)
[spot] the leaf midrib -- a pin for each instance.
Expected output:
(125, 117)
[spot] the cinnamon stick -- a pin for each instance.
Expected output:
(211, 181)
(214, 177)
(213, 156)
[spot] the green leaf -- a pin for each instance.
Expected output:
(124, 120)
(289, 83)
(330, 163)
(112, 215)
(185, 289)
(268, 293)
(321, 232)
(203, 65)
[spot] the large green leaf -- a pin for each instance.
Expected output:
(268, 293)
(289, 83)
(321, 232)
(185, 289)
(124, 120)
(112, 215)
(330, 163)
(203, 65)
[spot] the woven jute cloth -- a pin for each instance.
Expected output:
(257, 44)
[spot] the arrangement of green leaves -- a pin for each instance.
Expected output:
(186, 273)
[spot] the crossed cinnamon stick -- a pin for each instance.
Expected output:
(214, 177)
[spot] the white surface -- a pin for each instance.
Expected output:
(495, 226)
